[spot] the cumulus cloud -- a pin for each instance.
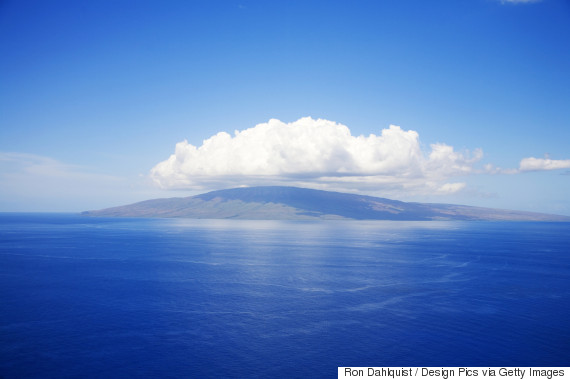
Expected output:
(321, 152)
(543, 164)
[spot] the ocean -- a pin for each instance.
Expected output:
(174, 298)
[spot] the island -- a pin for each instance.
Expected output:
(293, 203)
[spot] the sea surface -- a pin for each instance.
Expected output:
(173, 298)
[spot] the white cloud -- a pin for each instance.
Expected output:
(451, 187)
(318, 152)
(529, 164)
(543, 164)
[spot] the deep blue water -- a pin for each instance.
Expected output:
(94, 297)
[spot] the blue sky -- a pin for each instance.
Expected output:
(94, 95)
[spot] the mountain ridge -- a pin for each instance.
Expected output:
(295, 203)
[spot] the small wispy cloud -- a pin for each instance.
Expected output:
(528, 165)
(543, 164)
(30, 182)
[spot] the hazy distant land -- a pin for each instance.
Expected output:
(292, 203)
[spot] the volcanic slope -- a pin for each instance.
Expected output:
(292, 203)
